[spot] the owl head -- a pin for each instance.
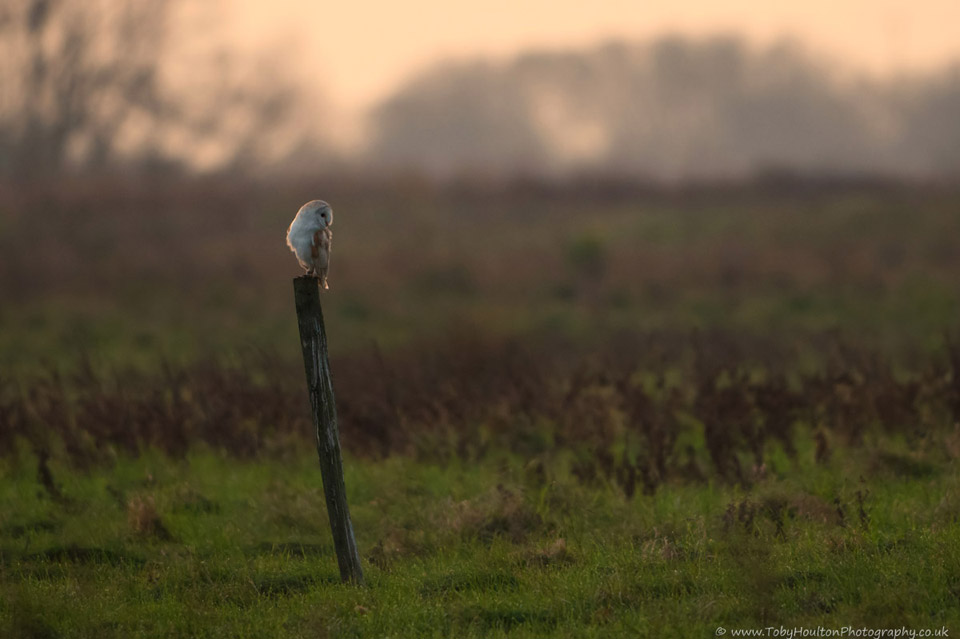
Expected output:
(319, 210)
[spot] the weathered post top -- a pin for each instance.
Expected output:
(313, 340)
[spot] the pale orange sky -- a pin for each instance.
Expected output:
(360, 50)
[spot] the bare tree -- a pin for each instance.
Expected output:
(74, 74)
(84, 88)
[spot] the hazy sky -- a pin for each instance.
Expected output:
(359, 50)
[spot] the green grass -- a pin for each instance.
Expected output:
(210, 546)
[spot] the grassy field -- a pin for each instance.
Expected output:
(566, 411)
(208, 546)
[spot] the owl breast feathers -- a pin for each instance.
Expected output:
(309, 237)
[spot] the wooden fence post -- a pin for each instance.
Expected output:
(313, 339)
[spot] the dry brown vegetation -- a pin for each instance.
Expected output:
(645, 409)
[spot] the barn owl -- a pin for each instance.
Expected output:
(309, 238)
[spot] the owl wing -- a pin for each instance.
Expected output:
(320, 248)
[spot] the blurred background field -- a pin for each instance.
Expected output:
(133, 273)
(606, 309)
